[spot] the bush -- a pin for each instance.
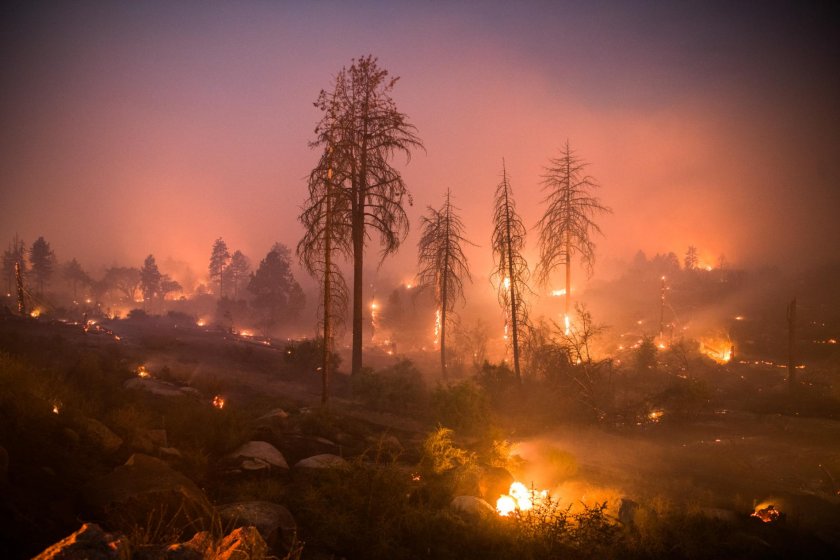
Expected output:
(464, 406)
(397, 388)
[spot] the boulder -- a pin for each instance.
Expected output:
(244, 543)
(99, 435)
(143, 490)
(160, 388)
(149, 441)
(274, 522)
(472, 506)
(273, 416)
(257, 455)
(197, 548)
(323, 461)
(90, 542)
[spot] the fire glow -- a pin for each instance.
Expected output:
(519, 498)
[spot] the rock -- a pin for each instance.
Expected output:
(170, 453)
(197, 548)
(100, 435)
(254, 455)
(244, 543)
(90, 542)
(473, 506)
(274, 522)
(160, 388)
(493, 482)
(146, 490)
(272, 416)
(627, 511)
(149, 441)
(296, 447)
(323, 461)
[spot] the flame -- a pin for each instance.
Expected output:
(143, 372)
(519, 498)
(56, 407)
(558, 293)
(655, 415)
(766, 513)
(219, 402)
(568, 324)
(718, 349)
(437, 326)
(506, 283)
(35, 313)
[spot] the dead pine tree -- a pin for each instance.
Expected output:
(442, 264)
(510, 273)
(568, 224)
(365, 132)
(326, 239)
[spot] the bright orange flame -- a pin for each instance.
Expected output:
(219, 402)
(520, 498)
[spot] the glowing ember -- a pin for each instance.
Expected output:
(219, 402)
(519, 498)
(200, 322)
(656, 415)
(143, 372)
(767, 513)
(35, 313)
(56, 407)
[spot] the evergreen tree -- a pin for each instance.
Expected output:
(219, 260)
(278, 298)
(43, 261)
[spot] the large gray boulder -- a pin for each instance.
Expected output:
(144, 490)
(274, 522)
(322, 461)
(259, 455)
(90, 542)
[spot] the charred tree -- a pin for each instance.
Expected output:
(326, 239)
(568, 224)
(442, 264)
(510, 268)
(364, 131)
(42, 259)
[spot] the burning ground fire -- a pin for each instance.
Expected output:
(519, 498)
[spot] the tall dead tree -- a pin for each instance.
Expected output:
(510, 272)
(364, 131)
(326, 239)
(442, 263)
(568, 224)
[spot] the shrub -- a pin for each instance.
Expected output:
(397, 388)
(463, 405)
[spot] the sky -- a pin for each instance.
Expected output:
(130, 128)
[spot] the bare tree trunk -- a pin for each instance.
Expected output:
(358, 283)
(513, 302)
(791, 319)
(20, 294)
(325, 365)
(566, 316)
